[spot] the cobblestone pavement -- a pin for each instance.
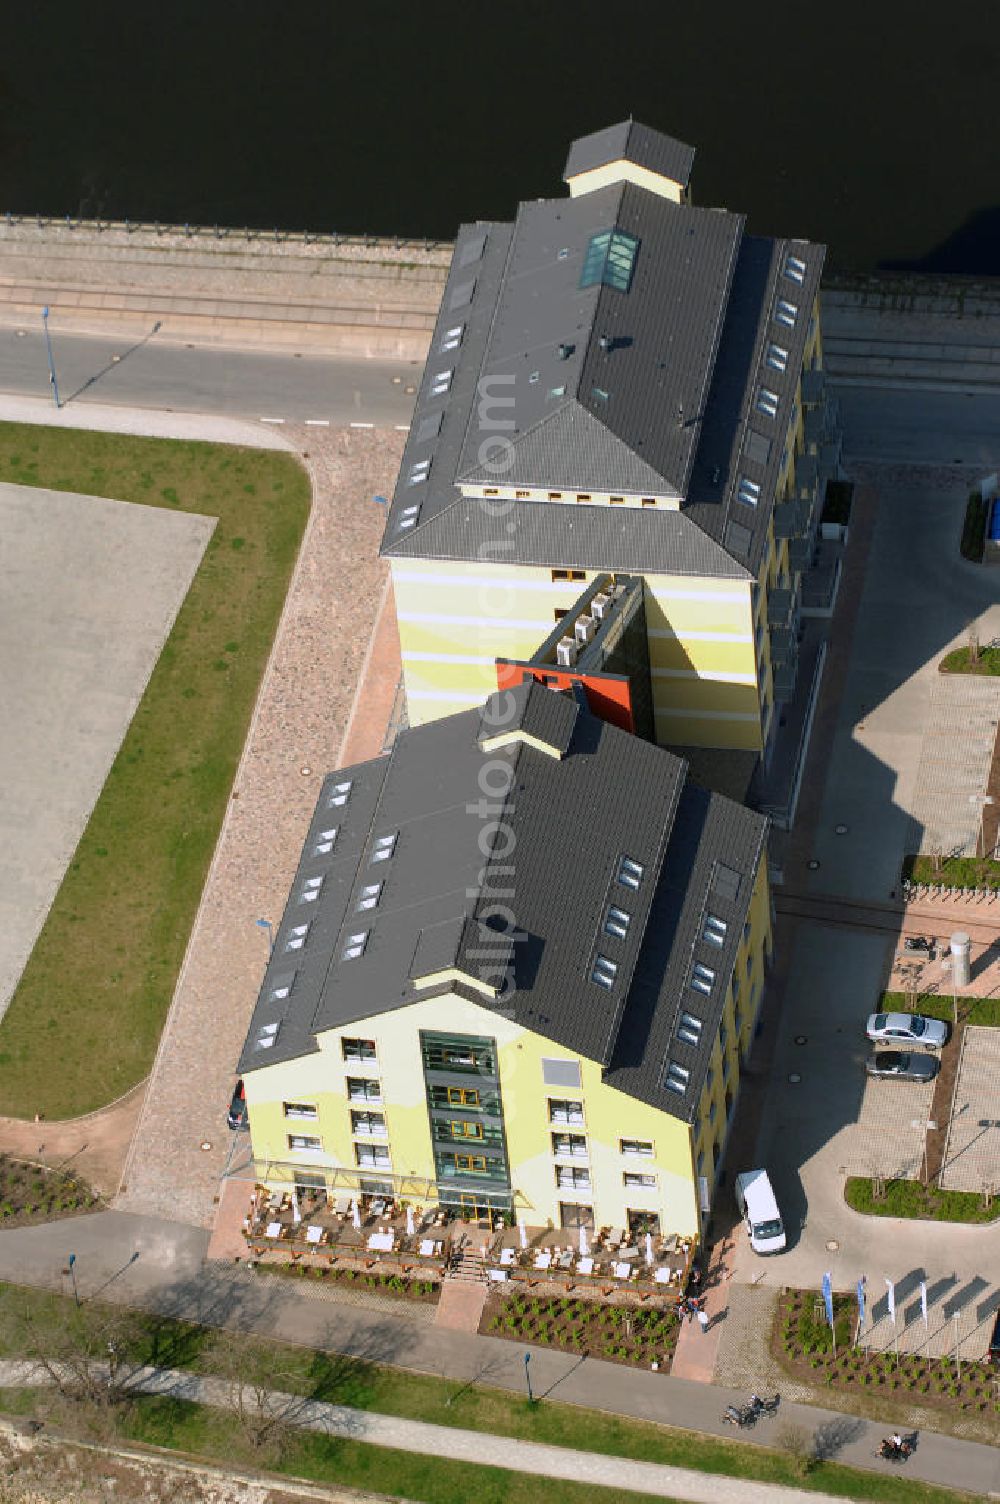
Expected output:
(744, 1359)
(884, 1140)
(294, 739)
(972, 1153)
(959, 1316)
(955, 761)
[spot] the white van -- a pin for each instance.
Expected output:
(759, 1210)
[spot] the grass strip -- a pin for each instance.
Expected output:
(984, 1011)
(908, 1198)
(377, 1387)
(85, 1020)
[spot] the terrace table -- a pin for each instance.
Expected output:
(663, 1276)
(585, 1265)
(543, 1260)
(566, 1259)
(381, 1242)
(428, 1248)
(273, 1230)
(508, 1256)
(314, 1234)
(499, 1275)
(621, 1271)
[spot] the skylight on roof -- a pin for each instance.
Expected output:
(795, 268)
(297, 937)
(355, 946)
(726, 882)
(418, 473)
(603, 971)
(777, 357)
(677, 1077)
(452, 338)
(767, 402)
(325, 841)
(599, 394)
(630, 872)
(617, 923)
(610, 258)
(309, 891)
(370, 895)
(266, 1037)
(748, 492)
(714, 929)
(689, 1028)
(408, 517)
(339, 794)
(557, 391)
(384, 847)
(441, 383)
(786, 313)
(702, 978)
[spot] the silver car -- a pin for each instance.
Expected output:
(906, 1028)
(893, 1064)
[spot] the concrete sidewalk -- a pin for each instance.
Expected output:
(476, 1448)
(169, 1277)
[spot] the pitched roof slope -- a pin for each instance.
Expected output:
(631, 142)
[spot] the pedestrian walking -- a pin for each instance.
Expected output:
(703, 1320)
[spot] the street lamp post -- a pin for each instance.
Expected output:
(48, 350)
(527, 1378)
(71, 1261)
(268, 927)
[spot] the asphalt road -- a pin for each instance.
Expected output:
(205, 379)
(910, 425)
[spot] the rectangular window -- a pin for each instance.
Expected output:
(795, 268)
(767, 402)
(748, 492)
(522, 495)
(677, 1077)
(462, 1128)
(299, 1110)
(555, 495)
(452, 338)
(746, 932)
(617, 501)
(571, 1177)
(786, 313)
(567, 574)
(355, 946)
(603, 972)
(339, 795)
(372, 1156)
(714, 929)
(441, 383)
(629, 873)
(358, 1049)
(360, 1090)
(649, 501)
(462, 1096)
(583, 496)
(617, 922)
(369, 896)
(304, 1141)
(562, 1111)
(633, 1178)
(463, 1164)
(297, 937)
(561, 1072)
(777, 357)
(689, 1028)
(368, 1124)
(702, 978)
(384, 847)
(638, 1146)
(712, 1111)
(443, 1054)
(325, 842)
(491, 490)
(723, 1038)
(569, 1145)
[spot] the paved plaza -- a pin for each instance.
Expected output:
(972, 1153)
(955, 760)
(91, 590)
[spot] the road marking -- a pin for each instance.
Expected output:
(272, 420)
(317, 422)
(362, 425)
(402, 427)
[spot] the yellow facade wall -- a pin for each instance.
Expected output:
(624, 171)
(610, 1116)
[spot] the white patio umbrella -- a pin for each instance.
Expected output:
(523, 1232)
(649, 1248)
(296, 1209)
(410, 1226)
(356, 1213)
(584, 1246)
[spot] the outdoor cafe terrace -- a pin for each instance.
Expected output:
(375, 1233)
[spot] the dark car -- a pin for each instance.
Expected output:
(993, 1352)
(896, 1065)
(236, 1117)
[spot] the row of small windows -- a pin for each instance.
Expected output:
(604, 971)
(786, 313)
(355, 946)
(629, 873)
(702, 977)
(339, 794)
(584, 496)
(617, 922)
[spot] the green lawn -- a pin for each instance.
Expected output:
(85, 1020)
(959, 662)
(971, 1010)
(953, 871)
(391, 1391)
(908, 1198)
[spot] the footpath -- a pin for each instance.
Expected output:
(158, 1266)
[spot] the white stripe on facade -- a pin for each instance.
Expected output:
(693, 673)
(668, 634)
(516, 580)
(452, 696)
(439, 619)
(448, 658)
(707, 715)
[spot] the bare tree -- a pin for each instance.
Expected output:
(794, 1441)
(251, 1368)
(972, 637)
(83, 1355)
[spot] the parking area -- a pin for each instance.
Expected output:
(972, 1154)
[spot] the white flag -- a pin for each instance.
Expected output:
(892, 1298)
(923, 1300)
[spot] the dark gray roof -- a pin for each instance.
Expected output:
(527, 707)
(572, 820)
(635, 143)
(713, 840)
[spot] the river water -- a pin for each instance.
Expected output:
(872, 127)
